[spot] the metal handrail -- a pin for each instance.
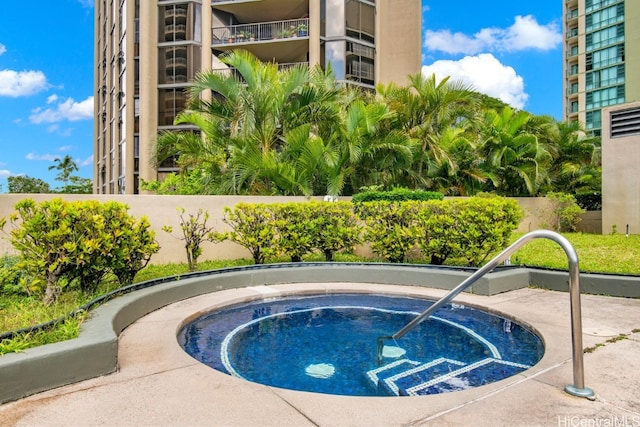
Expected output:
(577, 388)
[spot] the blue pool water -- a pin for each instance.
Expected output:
(328, 344)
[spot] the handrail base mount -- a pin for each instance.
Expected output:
(580, 392)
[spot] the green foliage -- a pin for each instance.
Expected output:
(12, 278)
(564, 214)
(194, 233)
(471, 229)
(295, 227)
(396, 195)
(78, 243)
(188, 182)
(252, 227)
(78, 185)
(336, 227)
(589, 201)
(439, 236)
(27, 185)
(391, 228)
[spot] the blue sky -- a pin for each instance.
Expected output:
(511, 50)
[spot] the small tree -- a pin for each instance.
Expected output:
(77, 243)
(252, 227)
(564, 214)
(336, 228)
(295, 226)
(27, 185)
(194, 232)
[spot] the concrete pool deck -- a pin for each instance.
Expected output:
(159, 384)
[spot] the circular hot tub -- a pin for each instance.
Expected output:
(328, 344)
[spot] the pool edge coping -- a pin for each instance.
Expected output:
(95, 351)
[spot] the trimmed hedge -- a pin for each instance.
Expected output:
(396, 195)
(64, 244)
(471, 229)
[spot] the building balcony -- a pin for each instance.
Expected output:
(260, 32)
(231, 71)
(572, 33)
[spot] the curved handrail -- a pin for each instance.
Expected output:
(576, 389)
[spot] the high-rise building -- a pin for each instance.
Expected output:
(147, 51)
(601, 58)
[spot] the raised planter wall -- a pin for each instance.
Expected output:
(94, 353)
(162, 210)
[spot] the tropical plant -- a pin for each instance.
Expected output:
(194, 232)
(27, 185)
(65, 168)
(62, 244)
(515, 150)
(254, 116)
(577, 164)
(252, 227)
(564, 214)
(425, 109)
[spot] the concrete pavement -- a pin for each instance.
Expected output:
(159, 384)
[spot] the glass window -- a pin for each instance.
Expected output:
(605, 77)
(172, 23)
(593, 119)
(171, 102)
(605, 37)
(605, 17)
(591, 5)
(604, 97)
(604, 57)
(180, 63)
(335, 53)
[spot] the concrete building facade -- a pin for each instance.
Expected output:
(601, 58)
(620, 173)
(147, 51)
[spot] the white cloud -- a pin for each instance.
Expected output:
(47, 157)
(52, 98)
(4, 173)
(65, 148)
(52, 157)
(68, 110)
(526, 33)
(86, 162)
(53, 128)
(3, 48)
(86, 3)
(486, 74)
(21, 83)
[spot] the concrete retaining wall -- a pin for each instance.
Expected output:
(162, 210)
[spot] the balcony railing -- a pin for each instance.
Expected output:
(249, 33)
(231, 71)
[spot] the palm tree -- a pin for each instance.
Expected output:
(254, 113)
(372, 152)
(425, 110)
(66, 167)
(514, 146)
(577, 164)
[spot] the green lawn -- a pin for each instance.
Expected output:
(606, 254)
